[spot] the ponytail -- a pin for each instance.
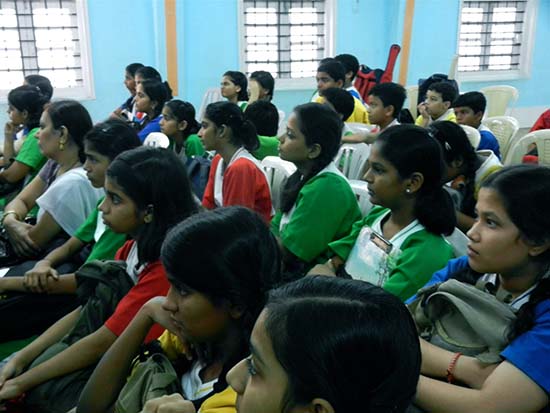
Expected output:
(435, 211)
(229, 114)
(239, 79)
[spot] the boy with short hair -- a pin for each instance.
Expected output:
(333, 74)
(341, 102)
(265, 117)
(385, 102)
(469, 109)
(438, 104)
(351, 65)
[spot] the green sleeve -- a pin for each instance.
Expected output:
(86, 231)
(275, 223)
(269, 146)
(30, 154)
(343, 246)
(193, 146)
(326, 209)
(422, 255)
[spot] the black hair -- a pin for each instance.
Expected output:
(133, 67)
(345, 341)
(112, 137)
(229, 255)
(72, 115)
(43, 84)
(390, 94)
(350, 62)
(150, 73)
(456, 146)
(473, 100)
(320, 125)
(265, 117)
(447, 91)
(265, 79)
(230, 115)
(341, 100)
(334, 69)
(411, 149)
(524, 191)
(239, 79)
(31, 99)
(154, 177)
(184, 111)
(157, 92)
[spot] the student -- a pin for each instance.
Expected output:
(261, 85)
(469, 109)
(385, 102)
(340, 101)
(333, 74)
(50, 283)
(151, 95)
(318, 205)
(234, 88)
(42, 82)
(265, 117)
(351, 64)
(135, 204)
(61, 190)
(236, 177)
(438, 104)
(400, 243)
(220, 265)
(317, 347)
(179, 124)
(466, 169)
(127, 111)
(508, 243)
(25, 106)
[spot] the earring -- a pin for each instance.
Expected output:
(408, 190)
(61, 146)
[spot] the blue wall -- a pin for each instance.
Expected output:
(208, 45)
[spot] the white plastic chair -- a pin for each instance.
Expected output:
(157, 140)
(459, 242)
(277, 170)
(351, 159)
(499, 98)
(504, 128)
(360, 127)
(520, 148)
(211, 95)
(282, 124)
(360, 189)
(412, 100)
(473, 135)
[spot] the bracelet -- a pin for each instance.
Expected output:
(452, 365)
(10, 212)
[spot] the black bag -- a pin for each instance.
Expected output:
(198, 170)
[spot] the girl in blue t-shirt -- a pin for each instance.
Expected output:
(151, 95)
(509, 241)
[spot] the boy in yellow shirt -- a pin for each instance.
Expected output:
(438, 104)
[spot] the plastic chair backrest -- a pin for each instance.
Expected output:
(499, 98)
(504, 128)
(282, 124)
(351, 159)
(459, 242)
(520, 147)
(360, 189)
(211, 95)
(157, 140)
(277, 170)
(412, 99)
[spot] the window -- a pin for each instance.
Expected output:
(47, 37)
(286, 38)
(495, 38)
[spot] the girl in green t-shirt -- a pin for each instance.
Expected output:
(400, 243)
(179, 124)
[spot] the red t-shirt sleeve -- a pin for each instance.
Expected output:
(123, 251)
(208, 197)
(543, 122)
(152, 282)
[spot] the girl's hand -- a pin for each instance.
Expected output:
(22, 243)
(10, 130)
(175, 403)
(13, 368)
(39, 279)
(11, 390)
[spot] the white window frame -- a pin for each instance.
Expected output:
(526, 50)
(304, 83)
(87, 90)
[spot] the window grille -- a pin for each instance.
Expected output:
(42, 37)
(286, 38)
(491, 35)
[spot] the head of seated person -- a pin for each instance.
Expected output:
(351, 64)
(439, 98)
(265, 117)
(385, 102)
(340, 100)
(331, 73)
(469, 108)
(265, 83)
(42, 82)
